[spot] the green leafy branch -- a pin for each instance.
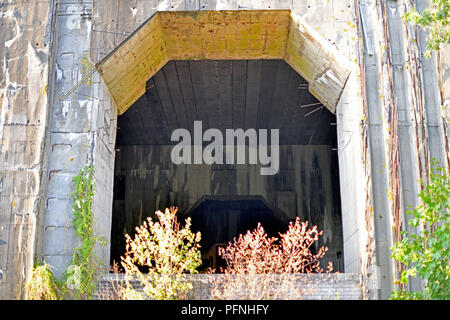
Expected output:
(435, 20)
(426, 253)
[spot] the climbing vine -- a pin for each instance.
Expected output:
(80, 276)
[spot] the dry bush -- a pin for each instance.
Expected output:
(263, 267)
(118, 289)
(42, 284)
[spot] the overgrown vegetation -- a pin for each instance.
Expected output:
(80, 276)
(426, 254)
(165, 250)
(162, 252)
(270, 266)
(42, 285)
(79, 279)
(435, 20)
(256, 252)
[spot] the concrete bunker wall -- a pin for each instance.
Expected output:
(83, 122)
(356, 236)
(366, 134)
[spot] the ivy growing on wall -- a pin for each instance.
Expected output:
(80, 276)
(79, 279)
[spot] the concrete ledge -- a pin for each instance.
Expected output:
(334, 286)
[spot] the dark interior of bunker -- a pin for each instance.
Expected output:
(225, 200)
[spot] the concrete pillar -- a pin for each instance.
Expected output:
(82, 133)
(432, 97)
(24, 55)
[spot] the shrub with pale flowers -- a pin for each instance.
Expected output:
(167, 250)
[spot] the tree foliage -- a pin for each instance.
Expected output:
(434, 19)
(426, 254)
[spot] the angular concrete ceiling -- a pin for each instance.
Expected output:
(224, 35)
(225, 94)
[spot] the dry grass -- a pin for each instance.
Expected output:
(42, 284)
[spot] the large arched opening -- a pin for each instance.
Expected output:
(226, 94)
(324, 106)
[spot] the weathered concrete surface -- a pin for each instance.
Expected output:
(354, 178)
(378, 132)
(432, 98)
(24, 50)
(114, 22)
(405, 127)
(228, 34)
(445, 88)
(82, 133)
(69, 137)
